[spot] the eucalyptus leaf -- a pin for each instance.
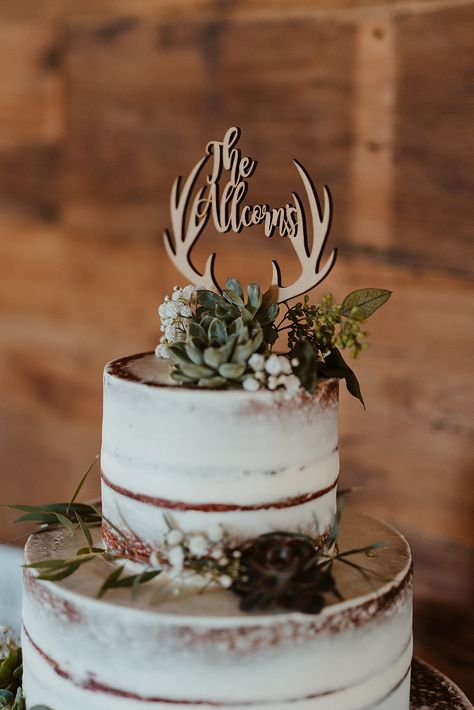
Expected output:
(366, 300)
(85, 531)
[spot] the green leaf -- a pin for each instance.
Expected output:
(213, 357)
(336, 366)
(254, 298)
(235, 286)
(212, 382)
(116, 581)
(196, 330)
(81, 484)
(243, 352)
(178, 353)
(66, 523)
(236, 326)
(110, 581)
(85, 531)
(208, 299)
(307, 368)
(226, 311)
(217, 332)
(268, 314)
(367, 301)
(195, 371)
(232, 370)
(206, 322)
(233, 297)
(194, 353)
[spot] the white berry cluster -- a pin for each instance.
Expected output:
(272, 372)
(186, 551)
(176, 313)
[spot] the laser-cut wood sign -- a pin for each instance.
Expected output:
(222, 200)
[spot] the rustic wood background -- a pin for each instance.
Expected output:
(102, 103)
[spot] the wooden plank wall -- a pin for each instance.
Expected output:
(102, 103)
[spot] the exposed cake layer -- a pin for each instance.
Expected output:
(200, 650)
(254, 462)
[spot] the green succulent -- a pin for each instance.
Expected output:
(216, 353)
(231, 305)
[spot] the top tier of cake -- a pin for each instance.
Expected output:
(249, 462)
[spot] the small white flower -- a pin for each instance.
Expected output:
(161, 350)
(198, 545)
(225, 581)
(295, 362)
(285, 365)
(185, 311)
(273, 365)
(272, 382)
(257, 362)
(154, 561)
(215, 533)
(176, 558)
(292, 384)
(188, 293)
(174, 537)
(217, 553)
(176, 295)
(250, 384)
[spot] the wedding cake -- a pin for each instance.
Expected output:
(221, 570)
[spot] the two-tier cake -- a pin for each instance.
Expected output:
(223, 573)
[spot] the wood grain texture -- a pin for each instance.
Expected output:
(103, 103)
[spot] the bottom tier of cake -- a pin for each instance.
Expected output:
(200, 650)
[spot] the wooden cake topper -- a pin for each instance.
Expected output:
(189, 216)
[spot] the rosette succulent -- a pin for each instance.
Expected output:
(282, 570)
(216, 352)
(231, 305)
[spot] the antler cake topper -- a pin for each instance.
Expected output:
(191, 210)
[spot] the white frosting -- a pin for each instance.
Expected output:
(354, 655)
(198, 447)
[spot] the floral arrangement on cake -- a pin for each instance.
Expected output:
(225, 340)
(276, 570)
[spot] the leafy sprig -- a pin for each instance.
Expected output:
(317, 333)
(78, 517)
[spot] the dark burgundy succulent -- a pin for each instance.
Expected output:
(281, 571)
